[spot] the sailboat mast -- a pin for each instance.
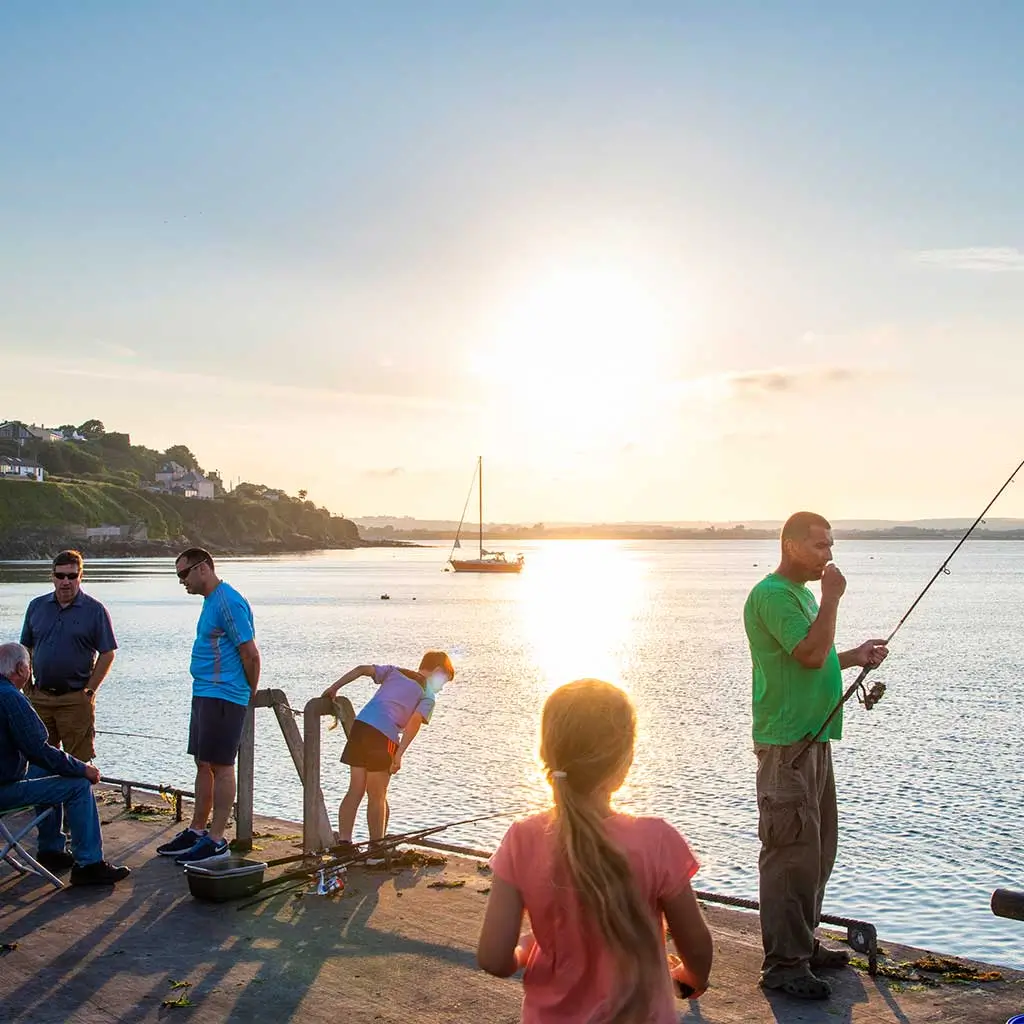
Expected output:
(480, 482)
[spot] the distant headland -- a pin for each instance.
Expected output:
(86, 487)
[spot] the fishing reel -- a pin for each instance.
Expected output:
(869, 698)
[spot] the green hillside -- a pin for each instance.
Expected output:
(101, 482)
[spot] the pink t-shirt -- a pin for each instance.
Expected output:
(570, 972)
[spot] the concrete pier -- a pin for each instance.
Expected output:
(394, 949)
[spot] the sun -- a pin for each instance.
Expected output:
(577, 349)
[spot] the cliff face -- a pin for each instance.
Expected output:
(37, 518)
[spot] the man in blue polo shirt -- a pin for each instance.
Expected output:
(225, 674)
(71, 642)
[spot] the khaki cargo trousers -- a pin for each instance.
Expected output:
(70, 720)
(799, 832)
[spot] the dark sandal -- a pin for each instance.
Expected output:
(804, 986)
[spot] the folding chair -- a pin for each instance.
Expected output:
(15, 854)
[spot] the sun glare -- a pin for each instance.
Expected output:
(577, 351)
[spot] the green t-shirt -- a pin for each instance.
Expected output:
(790, 701)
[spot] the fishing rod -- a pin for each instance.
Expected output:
(372, 849)
(345, 849)
(869, 698)
(301, 877)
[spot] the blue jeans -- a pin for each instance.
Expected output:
(73, 797)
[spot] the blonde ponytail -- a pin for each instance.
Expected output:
(588, 730)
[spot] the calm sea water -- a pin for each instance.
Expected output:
(929, 782)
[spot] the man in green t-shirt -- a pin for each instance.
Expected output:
(797, 681)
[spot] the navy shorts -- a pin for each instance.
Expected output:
(368, 748)
(215, 729)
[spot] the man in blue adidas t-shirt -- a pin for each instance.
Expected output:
(225, 674)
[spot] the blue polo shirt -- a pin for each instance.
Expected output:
(225, 623)
(65, 641)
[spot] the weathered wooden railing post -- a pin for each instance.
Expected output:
(247, 768)
(317, 833)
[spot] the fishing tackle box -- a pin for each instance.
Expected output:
(227, 879)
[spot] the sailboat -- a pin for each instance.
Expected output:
(488, 561)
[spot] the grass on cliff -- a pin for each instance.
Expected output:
(225, 521)
(25, 504)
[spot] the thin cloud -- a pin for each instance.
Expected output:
(786, 381)
(385, 474)
(141, 375)
(994, 259)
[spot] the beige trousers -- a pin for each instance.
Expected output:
(70, 720)
(799, 832)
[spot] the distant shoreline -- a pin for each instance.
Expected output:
(497, 539)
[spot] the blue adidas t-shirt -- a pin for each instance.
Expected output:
(225, 623)
(397, 697)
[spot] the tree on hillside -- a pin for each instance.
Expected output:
(92, 430)
(118, 442)
(181, 454)
(251, 492)
(302, 495)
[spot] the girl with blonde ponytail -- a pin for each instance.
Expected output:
(596, 884)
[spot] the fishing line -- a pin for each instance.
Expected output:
(133, 735)
(869, 698)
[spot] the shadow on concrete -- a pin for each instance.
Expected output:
(122, 950)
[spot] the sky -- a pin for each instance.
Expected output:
(651, 260)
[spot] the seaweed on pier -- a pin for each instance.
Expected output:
(408, 859)
(922, 971)
(147, 812)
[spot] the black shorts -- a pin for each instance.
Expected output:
(215, 729)
(368, 748)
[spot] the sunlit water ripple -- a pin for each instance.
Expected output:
(929, 783)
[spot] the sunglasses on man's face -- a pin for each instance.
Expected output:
(65, 575)
(183, 574)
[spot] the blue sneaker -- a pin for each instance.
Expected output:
(205, 849)
(182, 842)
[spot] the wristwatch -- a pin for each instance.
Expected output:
(90, 693)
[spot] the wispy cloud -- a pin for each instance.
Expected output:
(141, 375)
(385, 474)
(992, 259)
(787, 380)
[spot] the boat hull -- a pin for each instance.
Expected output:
(475, 565)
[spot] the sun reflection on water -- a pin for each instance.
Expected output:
(580, 602)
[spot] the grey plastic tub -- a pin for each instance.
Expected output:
(227, 879)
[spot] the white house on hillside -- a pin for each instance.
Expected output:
(10, 467)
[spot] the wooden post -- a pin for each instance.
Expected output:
(247, 767)
(290, 731)
(316, 829)
(317, 833)
(246, 778)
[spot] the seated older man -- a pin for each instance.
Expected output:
(33, 772)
